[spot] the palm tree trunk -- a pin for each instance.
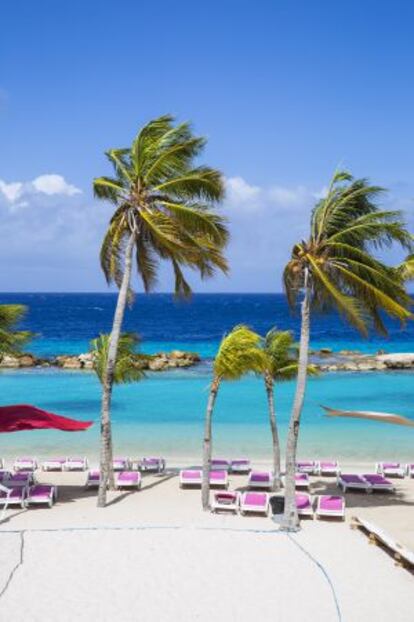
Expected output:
(106, 458)
(207, 446)
(290, 519)
(268, 380)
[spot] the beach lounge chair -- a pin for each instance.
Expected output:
(219, 478)
(328, 467)
(304, 504)
(330, 505)
(76, 464)
(190, 477)
(25, 463)
(378, 482)
(40, 494)
(12, 496)
(128, 479)
(226, 501)
(350, 481)
(152, 464)
(410, 470)
(306, 466)
(21, 478)
(93, 478)
(121, 464)
(302, 480)
(254, 502)
(53, 464)
(260, 479)
(390, 469)
(241, 465)
(220, 464)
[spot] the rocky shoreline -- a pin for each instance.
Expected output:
(325, 360)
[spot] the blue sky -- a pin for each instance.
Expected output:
(284, 90)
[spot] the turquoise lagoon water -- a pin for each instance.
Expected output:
(164, 413)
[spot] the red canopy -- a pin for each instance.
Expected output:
(26, 417)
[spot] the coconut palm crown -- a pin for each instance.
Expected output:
(11, 340)
(125, 370)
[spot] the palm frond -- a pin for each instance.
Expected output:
(238, 354)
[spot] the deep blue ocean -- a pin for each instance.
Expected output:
(164, 413)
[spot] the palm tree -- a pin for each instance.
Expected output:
(11, 340)
(239, 353)
(127, 368)
(281, 365)
(163, 211)
(336, 269)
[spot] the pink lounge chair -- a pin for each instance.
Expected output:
(226, 501)
(350, 481)
(260, 479)
(254, 502)
(190, 477)
(306, 466)
(41, 493)
(54, 464)
(302, 480)
(304, 504)
(21, 478)
(220, 464)
(25, 463)
(328, 467)
(12, 496)
(93, 478)
(390, 469)
(129, 479)
(152, 464)
(410, 470)
(242, 465)
(76, 464)
(330, 505)
(219, 478)
(120, 464)
(378, 482)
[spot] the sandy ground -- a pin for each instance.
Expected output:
(154, 555)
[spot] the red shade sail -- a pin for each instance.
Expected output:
(25, 417)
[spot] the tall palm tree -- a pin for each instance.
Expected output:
(127, 368)
(11, 340)
(163, 211)
(336, 269)
(239, 353)
(281, 365)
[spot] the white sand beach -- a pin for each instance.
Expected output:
(154, 555)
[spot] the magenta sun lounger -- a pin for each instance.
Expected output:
(13, 496)
(41, 494)
(219, 478)
(306, 466)
(350, 481)
(328, 467)
(241, 465)
(378, 482)
(304, 504)
(152, 464)
(330, 505)
(128, 479)
(254, 502)
(25, 463)
(24, 478)
(390, 469)
(54, 464)
(260, 479)
(226, 501)
(76, 464)
(220, 464)
(93, 478)
(121, 463)
(190, 477)
(302, 480)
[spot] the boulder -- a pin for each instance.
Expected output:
(9, 361)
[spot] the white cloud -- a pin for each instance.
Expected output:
(239, 191)
(13, 191)
(54, 184)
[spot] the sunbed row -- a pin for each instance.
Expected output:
(123, 479)
(61, 463)
(24, 496)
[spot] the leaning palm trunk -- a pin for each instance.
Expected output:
(205, 486)
(268, 380)
(290, 518)
(106, 458)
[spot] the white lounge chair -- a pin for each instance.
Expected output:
(225, 501)
(256, 502)
(40, 494)
(330, 505)
(302, 480)
(260, 479)
(21, 478)
(219, 478)
(328, 467)
(304, 504)
(121, 463)
(152, 464)
(220, 464)
(93, 478)
(25, 463)
(390, 469)
(240, 465)
(54, 464)
(306, 466)
(351, 481)
(190, 477)
(12, 496)
(76, 464)
(378, 482)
